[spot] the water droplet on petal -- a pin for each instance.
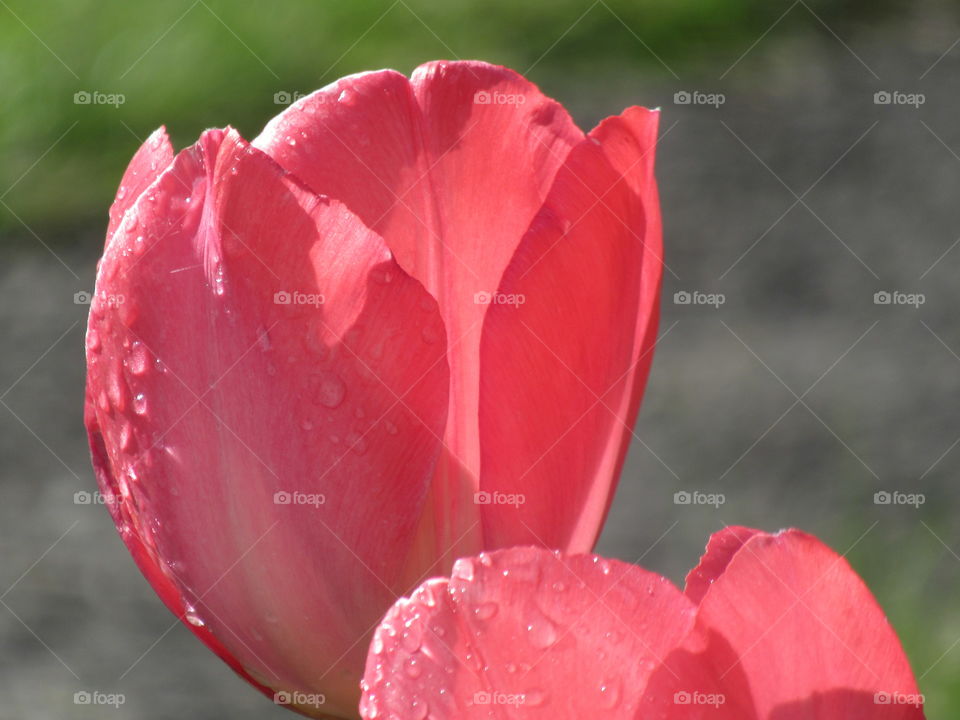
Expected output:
(139, 361)
(463, 569)
(263, 339)
(329, 391)
(218, 283)
(413, 667)
(610, 694)
(382, 275)
(486, 610)
(357, 443)
(126, 437)
(429, 334)
(534, 698)
(541, 632)
(410, 639)
(117, 391)
(418, 710)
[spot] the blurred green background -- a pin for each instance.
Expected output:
(193, 65)
(798, 77)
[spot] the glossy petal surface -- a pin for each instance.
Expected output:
(245, 407)
(525, 632)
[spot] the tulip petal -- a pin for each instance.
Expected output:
(151, 159)
(356, 140)
(264, 407)
(450, 168)
(721, 548)
(801, 633)
(524, 632)
(564, 363)
(493, 144)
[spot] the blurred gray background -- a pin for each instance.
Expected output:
(797, 198)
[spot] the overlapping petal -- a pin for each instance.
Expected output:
(567, 348)
(805, 631)
(525, 632)
(243, 403)
(486, 191)
(772, 627)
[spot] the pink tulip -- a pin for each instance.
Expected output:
(411, 321)
(770, 627)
